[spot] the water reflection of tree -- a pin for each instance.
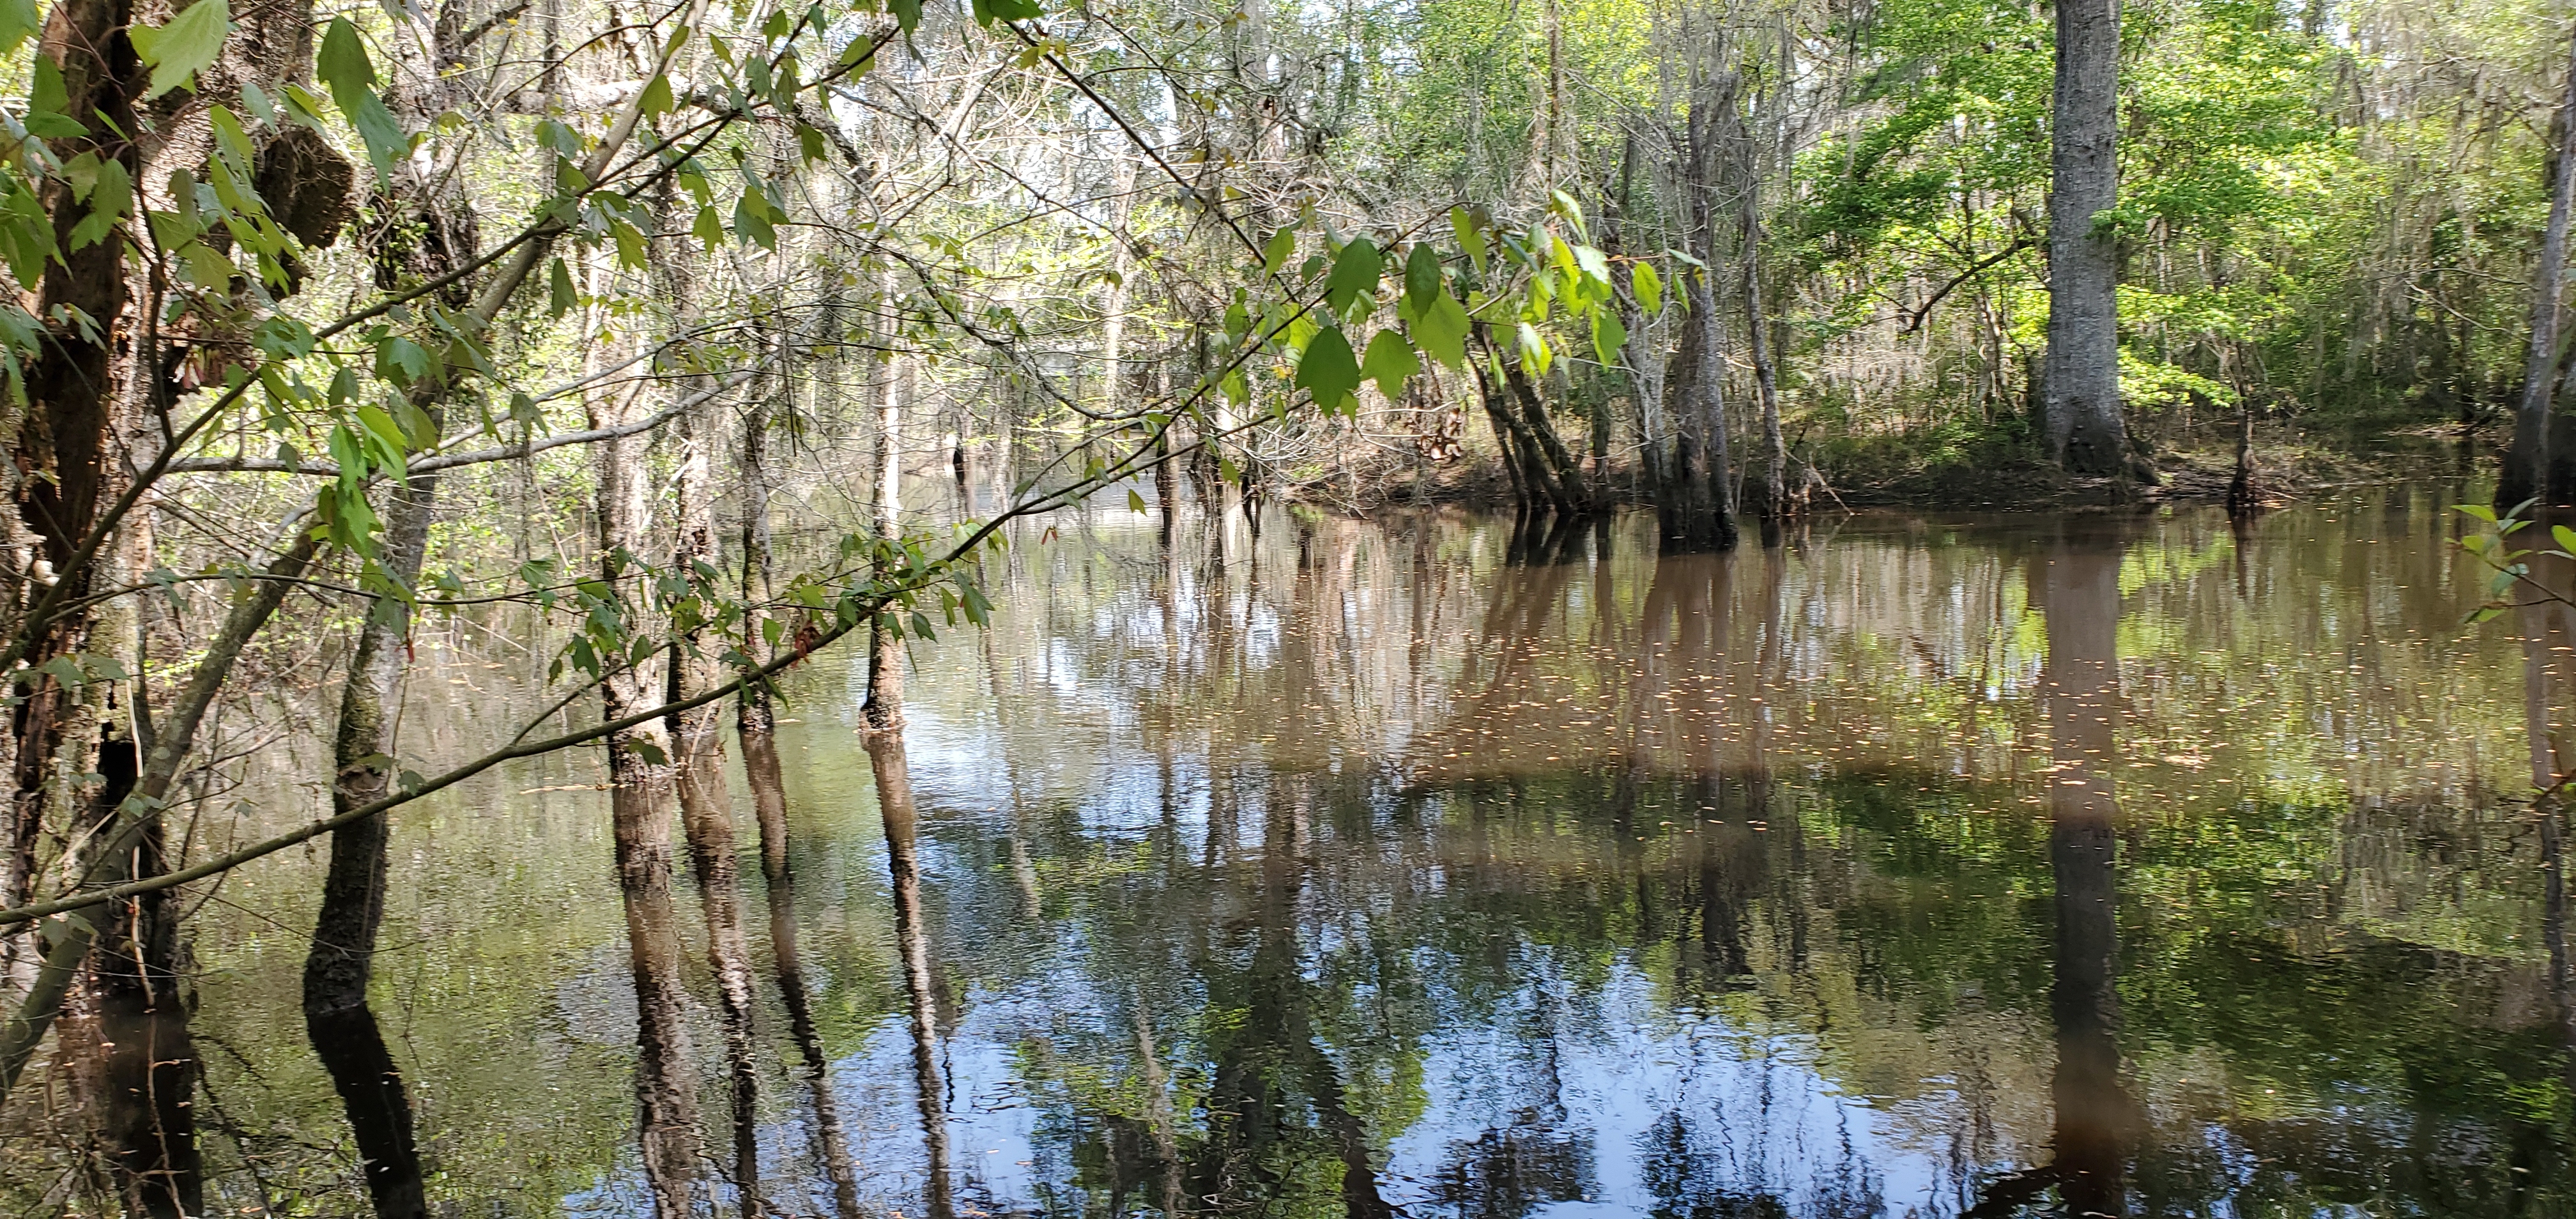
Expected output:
(1904, 911)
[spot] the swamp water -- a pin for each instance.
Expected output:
(1411, 867)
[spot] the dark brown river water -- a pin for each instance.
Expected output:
(1409, 867)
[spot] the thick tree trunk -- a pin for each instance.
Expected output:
(2527, 463)
(1700, 462)
(2082, 424)
(60, 460)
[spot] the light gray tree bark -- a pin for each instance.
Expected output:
(2526, 465)
(2082, 426)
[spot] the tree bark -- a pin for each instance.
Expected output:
(2527, 462)
(883, 710)
(640, 794)
(2082, 424)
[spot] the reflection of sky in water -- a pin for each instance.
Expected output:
(1610, 1095)
(1761, 1120)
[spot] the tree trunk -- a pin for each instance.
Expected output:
(2083, 428)
(342, 958)
(884, 707)
(1775, 452)
(640, 794)
(2527, 462)
(1700, 460)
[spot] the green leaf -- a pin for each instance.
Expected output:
(1390, 362)
(1355, 275)
(1135, 502)
(1441, 331)
(989, 11)
(2480, 511)
(1327, 371)
(185, 47)
(1608, 336)
(1594, 264)
(657, 100)
(343, 64)
(709, 229)
(630, 243)
(18, 18)
(560, 297)
(1534, 353)
(109, 195)
(751, 220)
(1471, 237)
(1283, 246)
(1650, 287)
(47, 103)
(2566, 537)
(1421, 276)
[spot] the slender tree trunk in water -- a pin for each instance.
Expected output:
(903, 859)
(639, 803)
(1775, 452)
(756, 720)
(2081, 603)
(2082, 424)
(342, 959)
(697, 736)
(439, 235)
(2244, 498)
(2526, 465)
(884, 708)
(1113, 306)
(706, 812)
(1529, 487)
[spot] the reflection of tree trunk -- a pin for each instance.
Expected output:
(2553, 893)
(706, 813)
(769, 803)
(370, 1085)
(912, 941)
(2548, 689)
(1158, 1111)
(2081, 598)
(151, 1066)
(1280, 983)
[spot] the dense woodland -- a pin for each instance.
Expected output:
(650, 321)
